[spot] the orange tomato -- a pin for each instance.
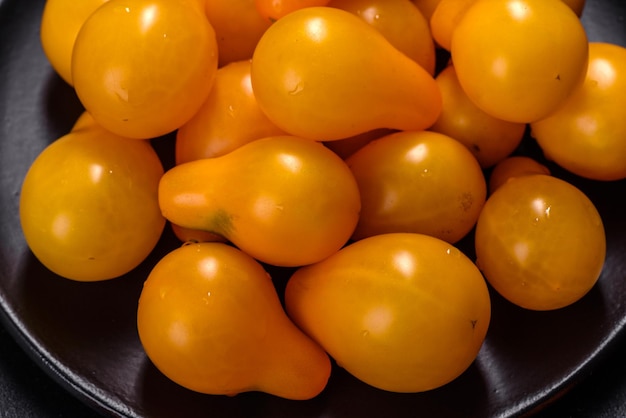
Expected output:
(229, 118)
(421, 182)
(142, 68)
(586, 135)
(401, 312)
(518, 60)
(445, 18)
(209, 319)
(540, 242)
(238, 27)
(284, 200)
(88, 204)
(60, 22)
(490, 139)
(514, 166)
(402, 24)
(301, 68)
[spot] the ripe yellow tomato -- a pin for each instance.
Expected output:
(238, 27)
(422, 182)
(490, 139)
(284, 200)
(88, 205)
(540, 242)
(401, 312)
(402, 24)
(60, 22)
(229, 118)
(209, 319)
(142, 68)
(325, 74)
(586, 135)
(445, 18)
(519, 60)
(514, 166)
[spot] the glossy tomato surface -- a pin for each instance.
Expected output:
(85, 336)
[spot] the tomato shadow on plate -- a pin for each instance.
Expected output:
(86, 331)
(61, 106)
(344, 396)
(532, 357)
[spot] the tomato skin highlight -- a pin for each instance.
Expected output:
(401, 312)
(540, 242)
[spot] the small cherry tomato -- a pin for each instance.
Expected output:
(229, 117)
(60, 22)
(142, 68)
(519, 60)
(422, 182)
(238, 27)
(490, 139)
(587, 134)
(540, 242)
(445, 18)
(514, 166)
(88, 206)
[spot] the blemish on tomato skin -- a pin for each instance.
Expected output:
(221, 223)
(466, 201)
(473, 322)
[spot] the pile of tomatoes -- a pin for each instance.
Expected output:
(331, 139)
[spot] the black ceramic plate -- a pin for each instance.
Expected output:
(84, 335)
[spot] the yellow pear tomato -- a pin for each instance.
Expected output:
(402, 24)
(401, 312)
(325, 74)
